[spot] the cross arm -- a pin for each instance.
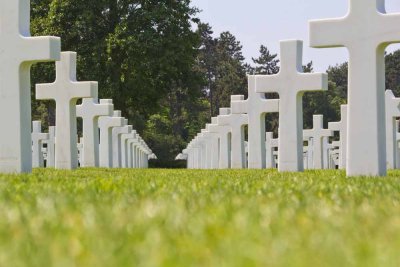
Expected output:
(40, 49)
(268, 83)
(335, 126)
(45, 91)
(313, 82)
(327, 33)
(239, 107)
(390, 32)
(84, 89)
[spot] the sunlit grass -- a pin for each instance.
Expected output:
(98, 217)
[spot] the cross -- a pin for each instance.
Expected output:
(51, 142)
(196, 153)
(224, 145)
(290, 83)
(317, 133)
(37, 143)
(270, 145)
(203, 150)
(392, 112)
(80, 150)
(90, 110)
(365, 31)
(256, 107)
(213, 145)
(18, 51)
(397, 148)
(106, 123)
(341, 127)
(133, 151)
(124, 147)
(236, 122)
(66, 91)
(117, 132)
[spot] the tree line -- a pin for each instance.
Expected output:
(165, 69)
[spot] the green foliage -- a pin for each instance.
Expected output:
(143, 54)
(198, 218)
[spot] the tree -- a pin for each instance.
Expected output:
(266, 63)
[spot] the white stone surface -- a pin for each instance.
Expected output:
(341, 127)
(81, 152)
(117, 132)
(392, 112)
(290, 83)
(317, 133)
(66, 91)
(236, 122)
(90, 110)
(256, 106)
(37, 143)
(223, 133)
(51, 148)
(125, 149)
(365, 31)
(106, 124)
(270, 144)
(18, 51)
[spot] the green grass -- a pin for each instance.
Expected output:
(198, 218)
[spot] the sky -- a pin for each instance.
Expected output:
(256, 22)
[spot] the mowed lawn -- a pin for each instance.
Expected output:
(97, 217)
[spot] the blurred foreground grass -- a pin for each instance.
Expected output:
(97, 217)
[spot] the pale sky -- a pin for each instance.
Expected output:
(256, 22)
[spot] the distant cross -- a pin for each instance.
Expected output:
(236, 122)
(90, 111)
(224, 144)
(66, 91)
(106, 124)
(317, 133)
(37, 143)
(291, 83)
(365, 31)
(117, 133)
(124, 147)
(51, 146)
(18, 51)
(133, 151)
(256, 107)
(341, 127)
(392, 112)
(213, 145)
(270, 144)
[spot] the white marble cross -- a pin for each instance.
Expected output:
(117, 133)
(317, 133)
(133, 151)
(365, 31)
(214, 145)
(270, 145)
(392, 112)
(291, 83)
(18, 51)
(51, 146)
(256, 107)
(66, 91)
(90, 110)
(37, 143)
(236, 122)
(106, 124)
(125, 148)
(80, 150)
(341, 127)
(224, 144)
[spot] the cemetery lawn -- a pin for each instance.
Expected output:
(96, 217)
